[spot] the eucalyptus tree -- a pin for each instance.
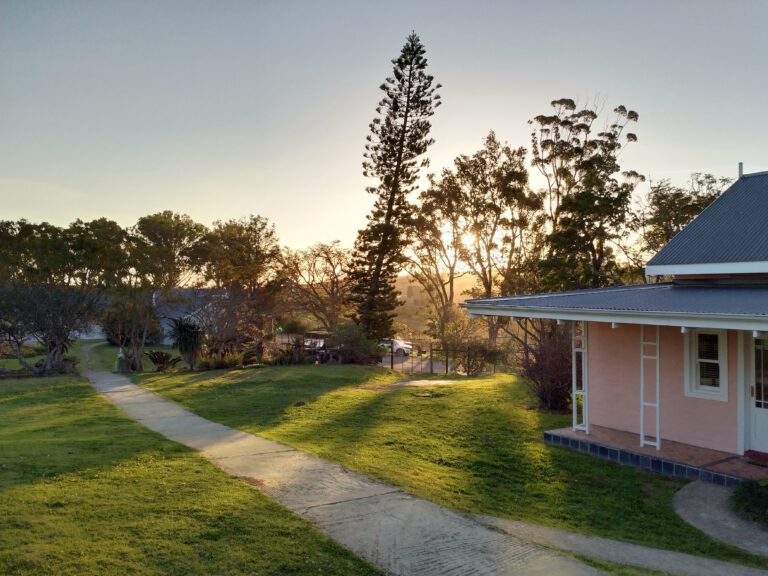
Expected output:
(503, 218)
(588, 196)
(398, 140)
(439, 233)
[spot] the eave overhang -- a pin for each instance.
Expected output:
(755, 323)
(706, 269)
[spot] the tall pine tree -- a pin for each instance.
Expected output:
(394, 154)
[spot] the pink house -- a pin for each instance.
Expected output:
(678, 368)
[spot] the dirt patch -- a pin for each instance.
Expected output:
(252, 481)
(408, 383)
(420, 383)
(428, 394)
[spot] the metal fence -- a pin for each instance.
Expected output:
(425, 358)
(430, 357)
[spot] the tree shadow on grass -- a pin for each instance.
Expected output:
(260, 399)
(376, 432)
(59, 425)
(520, 477)
(101, 483)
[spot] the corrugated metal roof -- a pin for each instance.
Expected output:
(734, 228)
(648, 298)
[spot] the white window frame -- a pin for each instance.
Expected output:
(692, 386)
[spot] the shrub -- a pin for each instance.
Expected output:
(349, 345)
(750, 499)
(249, 357)
(547, 368)
(293, 353)
(475, 356)
(204, 364)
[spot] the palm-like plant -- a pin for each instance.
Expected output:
(188, 338)
(162, 360)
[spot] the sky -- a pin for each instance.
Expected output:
(223, 108)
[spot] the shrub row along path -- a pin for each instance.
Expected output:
(395, 531)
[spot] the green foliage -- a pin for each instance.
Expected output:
(250, 357)
(670, 208)
(124, 321)
(750, 499)
(231, 360)
(502, 218)
(476, 356)
(162, 360)
(394, 154)
(167, 246)
(27, 351)
(52, 280)
(241, 253)
(188, 338)
(350, 345)
(86, 490)
(581, 254)
(287, 355)
(588, 195)
(242, 257)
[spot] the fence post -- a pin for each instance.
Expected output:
(446, 360)
(392, 354)
(431, 366)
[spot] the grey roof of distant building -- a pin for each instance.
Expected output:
(734, 228)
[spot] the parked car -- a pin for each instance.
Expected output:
(314, 341)
(397, 346)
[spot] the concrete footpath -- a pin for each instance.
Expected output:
(397, 532)
(706, 506)
(620, 552)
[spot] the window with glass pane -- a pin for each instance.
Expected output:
(761, 387)
(706, 364)
(708, 359)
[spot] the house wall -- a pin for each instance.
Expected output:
(614, 389)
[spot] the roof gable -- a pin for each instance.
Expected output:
(729, 236)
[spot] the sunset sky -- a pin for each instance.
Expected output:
(226, 108)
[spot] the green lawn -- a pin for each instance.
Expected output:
(474, 446)
(14, 364)
(103, 356)
(85, 490)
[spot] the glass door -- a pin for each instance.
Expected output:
(758, 393)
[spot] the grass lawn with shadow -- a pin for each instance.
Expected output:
(86, 490)
(475, 446)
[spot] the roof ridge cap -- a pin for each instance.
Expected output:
(763, 173)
